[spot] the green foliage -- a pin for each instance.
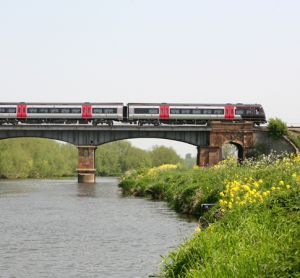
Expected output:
(41, 158)
(277, 128)
(295, 138)
(257, 239)
(36, 158)
(163, 155)
(118, 157)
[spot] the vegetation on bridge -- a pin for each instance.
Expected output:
(277, 129)
(44, 158)
(253, 229)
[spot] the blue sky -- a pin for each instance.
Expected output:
(153, 51)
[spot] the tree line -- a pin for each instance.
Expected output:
(45, 158)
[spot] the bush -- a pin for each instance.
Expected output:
(277, 128)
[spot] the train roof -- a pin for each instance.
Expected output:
(196, 104)
(62, 103)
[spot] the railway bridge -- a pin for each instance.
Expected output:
(207, 139)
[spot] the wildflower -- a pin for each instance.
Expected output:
(198, 229)
(256, 184)
(281, 182)
(288, 186)
(247, 188)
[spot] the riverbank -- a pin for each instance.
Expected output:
(253, 229)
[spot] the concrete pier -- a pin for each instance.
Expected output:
(86, 164)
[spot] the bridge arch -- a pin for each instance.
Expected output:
(239, 149)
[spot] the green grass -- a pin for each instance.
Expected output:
(258, 239)
(295, 138)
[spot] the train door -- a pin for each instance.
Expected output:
(21, 111)
(229, 112)
(164, 112)
(86, 111)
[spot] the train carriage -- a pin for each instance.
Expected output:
(170, 113)
(66, 113)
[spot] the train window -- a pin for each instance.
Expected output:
(174, 111)
(249, 112)
(54, 110)
(65, 110)
(8, 110)
(218, 111)
(43, 110)
(197, 111)
(11, 110)
(75, 110)
(153, 111)
(186, 111)
(239, 112)
(146, 111)
(32, 110)
(97, 111)
(110, 110)
(207, 111)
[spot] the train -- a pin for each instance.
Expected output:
(132, 113)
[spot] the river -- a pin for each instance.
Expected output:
(58, 228)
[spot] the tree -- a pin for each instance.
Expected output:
(164, 155)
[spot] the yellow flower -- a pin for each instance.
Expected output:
(288, 186)
(256, 184)
(281, 183)
(198, 229)
(247, 187)
(222, 194)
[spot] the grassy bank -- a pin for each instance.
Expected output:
(253, 230)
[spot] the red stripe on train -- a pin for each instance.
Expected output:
(21, 111)
(164, 112)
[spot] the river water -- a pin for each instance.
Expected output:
(57, 228)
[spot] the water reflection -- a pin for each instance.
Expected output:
(86, 190)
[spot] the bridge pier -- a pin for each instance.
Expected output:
(86, 164)
(208, 156)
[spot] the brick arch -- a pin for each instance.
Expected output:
(240, 134)
(240, 148)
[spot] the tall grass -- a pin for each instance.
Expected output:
(253, 228)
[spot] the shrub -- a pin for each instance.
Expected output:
(277, 128)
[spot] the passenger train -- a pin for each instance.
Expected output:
(133, 113)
